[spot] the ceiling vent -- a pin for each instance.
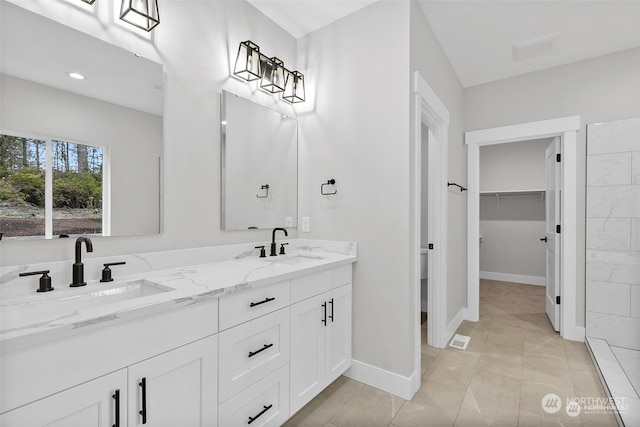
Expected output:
(535, 48)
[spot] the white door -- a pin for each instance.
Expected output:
(177, 388)
(307, 360)
(338, 340)
(92, 404)
(552, 220)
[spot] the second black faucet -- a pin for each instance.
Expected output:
(273, 240)
(78, 266)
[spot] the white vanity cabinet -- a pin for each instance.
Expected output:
(320, 336)
(176, 388)
(98, 403)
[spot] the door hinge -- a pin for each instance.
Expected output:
(558, 157)
(430, 245)
(558, 228)
(558, 299)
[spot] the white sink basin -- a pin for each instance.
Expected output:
(295, 259)
(51, 306)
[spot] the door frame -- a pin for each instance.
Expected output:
(566, 128)
(431, 111)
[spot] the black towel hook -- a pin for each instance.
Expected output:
(449, 184)
(329, 182)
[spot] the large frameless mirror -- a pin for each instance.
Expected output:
(81, 134)
(259, 166)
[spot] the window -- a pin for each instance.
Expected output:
(50, 188)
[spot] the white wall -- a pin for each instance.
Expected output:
(429, 59)
(513, 166)
(355, 129)
(134, 138)
(599, 89)
(196, 42)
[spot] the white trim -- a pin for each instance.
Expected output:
(566, 128)
(382, 379)
(455, 323)
(516, 278)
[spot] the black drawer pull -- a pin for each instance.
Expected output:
(253, 304)
(324, 318)
(266, 408)
(116, 397)
(266, 346)
(331, 316)
(143, 412)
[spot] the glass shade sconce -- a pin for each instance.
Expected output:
(142, 14)
(274, 77)
(248, 61)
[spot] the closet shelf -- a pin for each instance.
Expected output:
(502, 193)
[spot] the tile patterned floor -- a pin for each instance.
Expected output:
(513, 360)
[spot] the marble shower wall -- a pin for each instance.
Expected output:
(613, 232)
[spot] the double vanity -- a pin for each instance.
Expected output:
(234, 340)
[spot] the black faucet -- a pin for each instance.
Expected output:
(78, 266)
(273, 240)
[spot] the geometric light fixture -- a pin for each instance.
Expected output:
(274, 77)
(248, 61)
(294, 87)
(88, 1)
(140, 13)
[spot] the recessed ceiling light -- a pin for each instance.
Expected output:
(76, 76)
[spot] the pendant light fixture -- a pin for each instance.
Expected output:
(140, 13)
(248, 65)
(274, 77)
(294, 88)
(88, 1)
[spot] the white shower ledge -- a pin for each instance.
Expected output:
(188, 285)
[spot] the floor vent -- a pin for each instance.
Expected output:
(460, 342)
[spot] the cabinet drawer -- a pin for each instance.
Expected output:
(251, 351)
(266, 403)
(247, 305)
(341, 276)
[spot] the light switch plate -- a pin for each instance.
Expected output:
(306, 224)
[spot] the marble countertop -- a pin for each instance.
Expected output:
(34, 318)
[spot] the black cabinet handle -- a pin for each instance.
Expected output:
(331, 302)
(324, 318)
(116, 397)
(252, 419)
(143, 412)
(266, 346)
(544, 239)
(253, 304)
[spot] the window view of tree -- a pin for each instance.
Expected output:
(77, 188)
(76, 198)
(22, 186)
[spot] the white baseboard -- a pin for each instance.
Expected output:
(401, 386)
(455, 323)
(516, 278)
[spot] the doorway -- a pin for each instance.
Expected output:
(565, 129)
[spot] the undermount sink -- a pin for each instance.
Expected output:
(36, 310)
(294, 259)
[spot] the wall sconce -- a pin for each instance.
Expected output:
(248, 61)
(140, 13)
(274, 77)
(88, 1)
